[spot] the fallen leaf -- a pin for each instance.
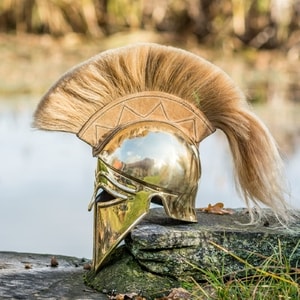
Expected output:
(28, 266)
(87, 266)
(217, 209)
(53, 262)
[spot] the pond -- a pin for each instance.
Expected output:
(46, 180)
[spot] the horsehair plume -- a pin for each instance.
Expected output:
(150, 67)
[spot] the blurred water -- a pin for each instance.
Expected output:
(46, 181)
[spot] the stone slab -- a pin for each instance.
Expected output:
(170, 247)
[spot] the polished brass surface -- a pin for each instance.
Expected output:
(153, 155)
(136, 164)
(113, 220)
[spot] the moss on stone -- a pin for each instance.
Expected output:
(123, 275)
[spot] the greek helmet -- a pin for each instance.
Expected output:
(144, 109)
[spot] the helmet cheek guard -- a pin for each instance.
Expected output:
(113, 220)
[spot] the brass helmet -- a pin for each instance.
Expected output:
(151, 159)
(144, 109)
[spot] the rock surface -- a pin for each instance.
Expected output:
(160, 252)
(165, 246)
(158, 255)
(30, 276)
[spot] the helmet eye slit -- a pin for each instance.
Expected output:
(103, 196)
(157, 200)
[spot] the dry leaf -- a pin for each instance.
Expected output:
(87, 266)
(28, 266)
(54, 262)
(217, 209)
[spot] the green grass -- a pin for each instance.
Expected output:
(275, 278)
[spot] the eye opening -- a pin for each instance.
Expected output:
(106, 199)
(157, 199)
(103, 196)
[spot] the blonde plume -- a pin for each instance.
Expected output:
(150, 67)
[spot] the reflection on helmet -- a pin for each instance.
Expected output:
(137, 164)
(152, 158)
